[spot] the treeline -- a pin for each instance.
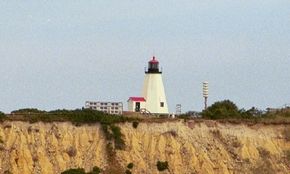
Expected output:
(77, 116)
(229, 110)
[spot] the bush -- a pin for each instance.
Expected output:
(96, 170)
(161, 166)
(135, 124)
(74, 171)
(130, 165)
(221, 110)
(128, 172)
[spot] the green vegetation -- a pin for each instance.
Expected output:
(2, 116)
(128, 172)
(113, 132)
(161, 166)
(27, 111)
(130, 166)
(135, 124)
(117, 135)
(74, 171)
(221, 110)
(228, 111)
(96, 170)
(77, 116)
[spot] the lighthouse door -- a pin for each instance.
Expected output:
(137, 107)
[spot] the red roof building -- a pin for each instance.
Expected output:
(136, 103)
(137, 99)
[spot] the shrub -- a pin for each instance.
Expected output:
(27, 111)
(135, 124)
(130, 165)
(117, 135)
(77, 116)
(161, 166)
(96, 170)
(74, 171)
(221, 110)
(114, 132)
(128, 172)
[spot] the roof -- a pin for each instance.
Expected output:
(137, 99)
(154, 61)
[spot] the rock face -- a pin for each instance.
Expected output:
(189, 147)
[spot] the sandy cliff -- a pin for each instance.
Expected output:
(189, 147)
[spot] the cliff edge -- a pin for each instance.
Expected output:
(189, 147)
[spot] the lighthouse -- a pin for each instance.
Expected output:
(153, 89)
(153, 98)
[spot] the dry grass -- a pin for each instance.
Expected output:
(287, 133)
(265, 154)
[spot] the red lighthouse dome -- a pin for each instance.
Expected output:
(153, 66)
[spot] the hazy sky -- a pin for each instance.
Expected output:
(60, 53)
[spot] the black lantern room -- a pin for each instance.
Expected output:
(153, 66)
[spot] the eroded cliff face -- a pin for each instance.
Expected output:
(189, 147)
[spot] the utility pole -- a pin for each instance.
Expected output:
(205, 93)
(178, 109)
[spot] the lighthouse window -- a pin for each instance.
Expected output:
(162, 104)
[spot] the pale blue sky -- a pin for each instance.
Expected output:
(58, 54)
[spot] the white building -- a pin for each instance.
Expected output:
(115, 108)
(136, 103)
(153, 92)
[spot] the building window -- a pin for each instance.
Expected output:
(162, 104)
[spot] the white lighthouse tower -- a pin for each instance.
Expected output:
(153, 89)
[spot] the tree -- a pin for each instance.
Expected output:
(221, 110)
